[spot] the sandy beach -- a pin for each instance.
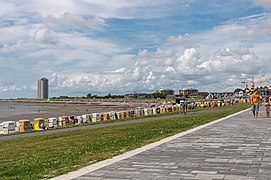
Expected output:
(16, 110)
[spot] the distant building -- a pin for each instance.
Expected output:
(202, 94)
(195, 93)
(142, 95)
(131, 96)
(188, 92)
(165, 91)
(170, 96)
(43, 88)
(138, 96)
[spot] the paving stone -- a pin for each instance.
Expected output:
(88, 178)
(261, 177)
(239, 173)
(167, 177)
(236, 177)
(209, 176)
(236, 148)
(203, 172)
(112, 178)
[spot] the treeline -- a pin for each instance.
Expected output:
(110, 96)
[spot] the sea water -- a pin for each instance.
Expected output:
(8, 109)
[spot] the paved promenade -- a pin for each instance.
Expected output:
(237, 147)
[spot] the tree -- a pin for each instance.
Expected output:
(160, 95)
(237, 90)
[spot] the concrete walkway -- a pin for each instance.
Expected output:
(236, 147)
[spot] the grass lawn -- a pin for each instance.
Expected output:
(46, 156)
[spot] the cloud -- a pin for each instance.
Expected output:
(150, 77)
(226, 67)
(185, 40)
(123, 9)
(73, 22)
(12, 34)
(142, 9)
(44, 36)
(121, 70)
(6, 8)
(97, 46)
(169, 70)
(264, 3)
(188, 63)
(102, 8)
(10, 86)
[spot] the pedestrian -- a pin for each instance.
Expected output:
(255, 103)
(267, 107)
(185, 104)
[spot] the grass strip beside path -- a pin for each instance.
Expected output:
(47, 156)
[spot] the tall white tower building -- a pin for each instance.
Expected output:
(43, 88)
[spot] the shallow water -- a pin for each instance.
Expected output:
(14, 111)
(8, 109)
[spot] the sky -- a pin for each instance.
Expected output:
(125, 46)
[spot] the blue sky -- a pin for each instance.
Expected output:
(125, 46)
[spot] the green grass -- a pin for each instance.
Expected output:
(46, 156)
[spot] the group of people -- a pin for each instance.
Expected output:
(257, 100)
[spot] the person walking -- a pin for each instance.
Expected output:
(267, 107)
(185, 104)
(255, 103)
